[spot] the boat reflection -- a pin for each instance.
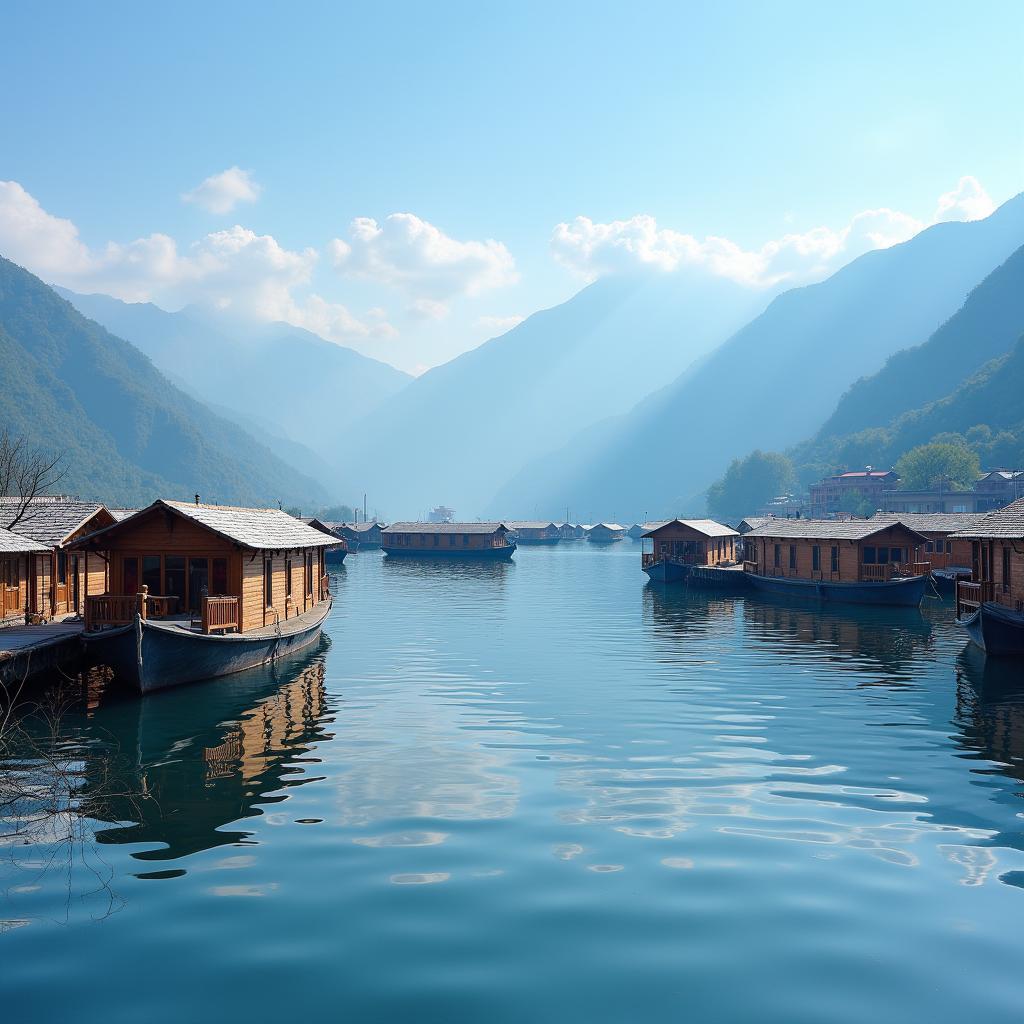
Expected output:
(206, 756)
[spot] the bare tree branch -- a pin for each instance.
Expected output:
(26, 473)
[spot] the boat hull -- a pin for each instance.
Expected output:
(945, 580)
(537, 542)
(153, 656)
(905, 593)
(335, 556)
(503, 554)
(664, 571)
(996, 630)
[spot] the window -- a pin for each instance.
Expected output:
(465, 540)
(151, 573)
(437, 539)
(792, 556)
(174, 577)
(62, 566)
(929, 547)
(778, 555)
(949, 547)
(309, 572)
(816, 558)
(883, 556)
(219, 576)
(835, 558)
(451, 540)
(1006, 569)
(268, 583)
(287, 577)
(130, 575)
(869, 555)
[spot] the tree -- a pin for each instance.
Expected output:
(749, 483)
(26, 472)
(337, 514)
(929, 466)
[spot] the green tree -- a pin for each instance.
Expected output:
(926, 467)
(749, 483)
(337, 514)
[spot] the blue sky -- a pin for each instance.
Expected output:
(744, 122)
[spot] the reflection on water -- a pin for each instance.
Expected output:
(544, 790)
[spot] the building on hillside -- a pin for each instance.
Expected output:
(998, 488)
(672, 549)
(841, 560)
(530, 531)
(991, 604)
(479, 541)
(179, 573)
(59, 580)
(941, 502)
(441, 514)
(16, 554)
(846, 492)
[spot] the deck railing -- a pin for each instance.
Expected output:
(221, 613)
(971, 596)
(10, 601)
(110, 610)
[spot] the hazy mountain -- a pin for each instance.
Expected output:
(128, 434)
(987, 326)
(298, 386)
(458, 432)
(777, 379)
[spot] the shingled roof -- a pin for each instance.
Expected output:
(1001, 522)
(931, 522)
(708, 527)
(529, 524)
(486, 528)
(15, 544)
(50, 522)
(356, 527)
(825, 529)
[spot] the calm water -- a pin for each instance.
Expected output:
(544, 791)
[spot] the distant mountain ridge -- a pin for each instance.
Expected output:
(297, 386)
(128, 434)
(775, 382)
(457, 433)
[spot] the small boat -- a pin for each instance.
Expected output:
(154, 655)
(534, 533)
(945, 580)
(905, 592)
(996, 629)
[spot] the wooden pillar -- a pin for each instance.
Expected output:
(141, 598)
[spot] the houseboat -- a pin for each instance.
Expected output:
(855, 561)
(359, 536)
(478, 541)
(534, 532)
(605, 533)
(58, 578)
(197, 591)
(16, 554)
(570, 531)
(948, 556)
(671, 550)
(991, 605)
(339, 548)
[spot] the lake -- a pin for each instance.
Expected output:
(542, 791)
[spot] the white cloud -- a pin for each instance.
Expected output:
(230, 269)
(595, 249)
(968, 201)
(221, 193)
(499, 324)
(409, 253)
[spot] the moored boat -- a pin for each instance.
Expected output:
(452, 541)
(672, 550)
(534, 532)
(605, 533)
(997, 630)
(199, 591)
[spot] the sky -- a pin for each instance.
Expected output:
(410, 179)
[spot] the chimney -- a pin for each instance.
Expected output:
(197, 499)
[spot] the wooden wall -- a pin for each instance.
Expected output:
(717, 550)
(456, 541)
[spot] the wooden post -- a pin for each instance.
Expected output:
(142, 595)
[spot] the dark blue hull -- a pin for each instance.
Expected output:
(502, 554)
(153, 656)
(945, 580)
(664, 571)
(996, 630)
(905, 593)
(335, 556)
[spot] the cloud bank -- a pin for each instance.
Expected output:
(221, 193)
(594, 249)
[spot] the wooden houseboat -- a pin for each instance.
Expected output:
(605, 533)
(359, 536)
(60, 579)
(339, 548)
(855, 561)
(534, 532)
(570, 531)
(948, 556)
(197, 591)
(991, 605)
(671, 550)
(479, 541)
(16, 554)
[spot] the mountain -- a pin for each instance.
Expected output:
(987, 326)
(777, 380)
(237, 365)
(127, 433)
(458, 432)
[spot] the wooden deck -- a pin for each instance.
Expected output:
(28, 650)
